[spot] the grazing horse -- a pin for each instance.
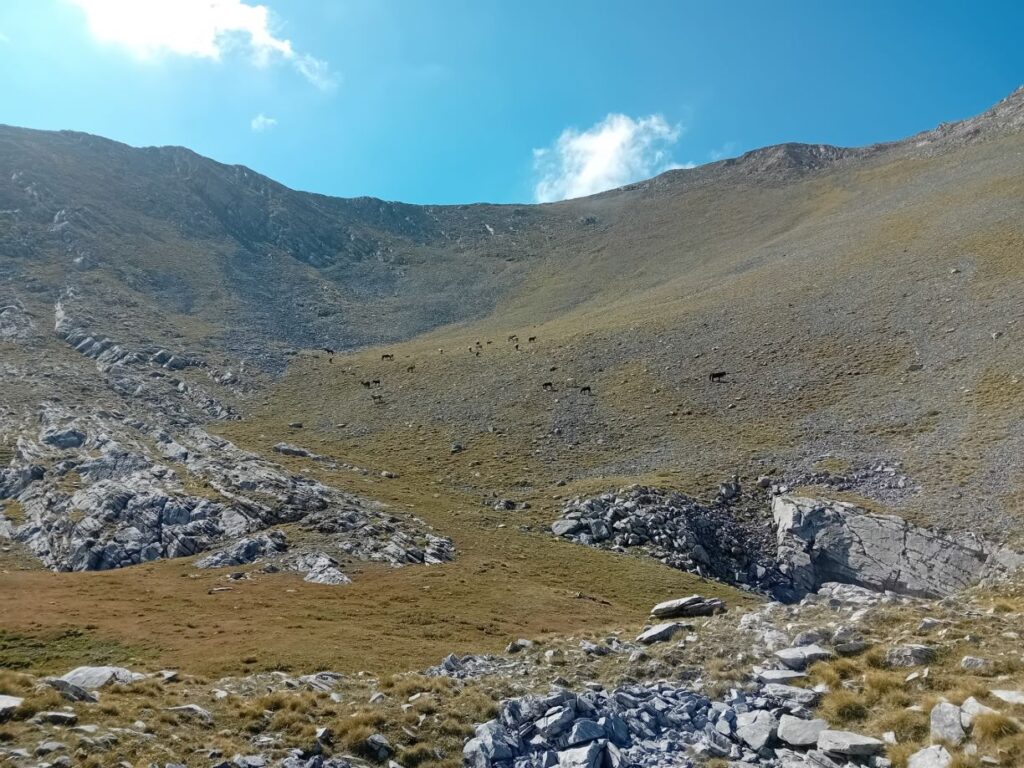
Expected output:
(717, 375)
(328, 350)
(532, 338)
(387, 356)
(513, 337)
(548, 386)
(377, 399)
(410, 369)
(376, 382)
(586, 390)
(365, 384)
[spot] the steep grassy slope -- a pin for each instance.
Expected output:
(867, 315)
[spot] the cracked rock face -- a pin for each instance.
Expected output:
(790, 548)
(832, 541)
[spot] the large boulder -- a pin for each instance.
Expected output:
(694, 605)
(93, 678)
(822, 541)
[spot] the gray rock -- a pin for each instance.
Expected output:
(64, 438)
(192, 710)
(970, 709)
(805, 696)
(379, 746)
(659, 633)
(945, 723)
(909, 656)
(566, 527)
(491, 744)
(976, 665)
(849, 744)
(94, 678)
(49, 747)
(694, 605)
(56, 718)
(801, 657)
(290, 449)
(800, 733)
(69, 691)
(9, 705)
(834, 541)
(779, 675)
(588, 756)
(936, 756)
(1010, 697)
(246, 550)
(756, 729)
(555, 722)
(584, 730)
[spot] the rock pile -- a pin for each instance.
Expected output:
(664, 724)
(102, 492)
(711, 540)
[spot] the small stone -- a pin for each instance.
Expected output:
(909, 656)
(936, 756)
(378, 745)
(8, 705)
(976, 665)
(192, 710)
(518, 645)
(56, 718)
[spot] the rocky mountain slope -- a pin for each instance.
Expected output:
(387, 429)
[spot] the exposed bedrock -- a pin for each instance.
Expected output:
(822, 541)
(784, 545)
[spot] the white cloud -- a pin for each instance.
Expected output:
(198, 28)
(616, 151)
(4, 38)
(726, 150)
(262, 123)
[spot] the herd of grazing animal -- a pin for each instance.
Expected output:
(475, 349)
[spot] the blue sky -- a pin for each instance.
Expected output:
(449, 101)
